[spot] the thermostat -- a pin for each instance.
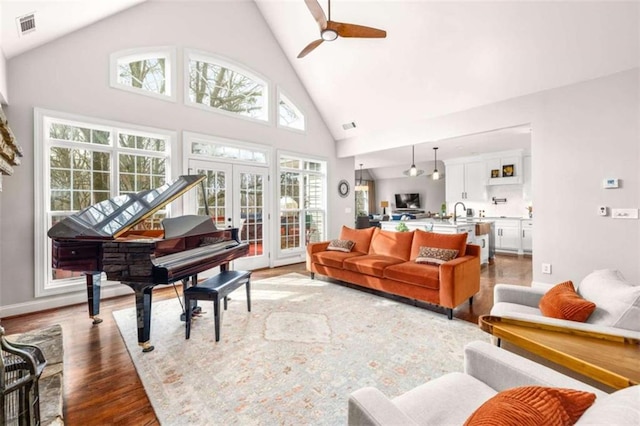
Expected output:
(610, 183)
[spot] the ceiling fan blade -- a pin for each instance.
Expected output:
(318, 13)
(353, 30)
(310, 47)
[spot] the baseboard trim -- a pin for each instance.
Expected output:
(42, 304)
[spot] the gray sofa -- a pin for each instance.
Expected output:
(452, 398)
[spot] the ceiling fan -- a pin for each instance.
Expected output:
(330, 30)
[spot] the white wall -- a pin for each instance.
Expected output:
(581, 134)
(3, 78)
(3, 72)
(77, 81)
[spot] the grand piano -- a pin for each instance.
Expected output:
(103, 238)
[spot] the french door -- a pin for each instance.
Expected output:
(236, 196)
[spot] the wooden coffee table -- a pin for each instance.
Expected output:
(608, 359)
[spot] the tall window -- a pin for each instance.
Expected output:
(215, 83)
(302, 197)
(148, 71)
(289, 115)
(362, 199)
(83, 162)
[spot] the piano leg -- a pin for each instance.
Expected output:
(143, 314)
(93, 295)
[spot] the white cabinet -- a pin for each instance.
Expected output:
(483, 242)
(466, 181)
(507, 235)
(527, 236)
(505, 169)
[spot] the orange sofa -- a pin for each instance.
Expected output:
(385, 261)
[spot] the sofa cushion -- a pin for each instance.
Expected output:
(447, 400)
(618, 408)
(360, 237)
(370, 264)
(433, 239)
(390, 243)
(563, 302)
(435, 256)
(617, 301)
(341, 245)
(423, 275)
(533, 406)
(333, 259)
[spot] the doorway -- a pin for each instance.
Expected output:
(236, 196)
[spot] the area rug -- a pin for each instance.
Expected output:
(295, 358)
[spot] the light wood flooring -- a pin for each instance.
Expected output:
(100, 381)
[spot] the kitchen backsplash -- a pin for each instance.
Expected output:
(515, 206)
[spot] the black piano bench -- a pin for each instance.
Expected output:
(216, 288)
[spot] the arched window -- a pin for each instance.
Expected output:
(147, 71)
(289, 115)
(218, 84)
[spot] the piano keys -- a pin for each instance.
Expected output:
(102, 238)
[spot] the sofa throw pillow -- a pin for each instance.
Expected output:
(532, 406)
(562, 302)
(341, 245)
(435, 256)
(617, 300)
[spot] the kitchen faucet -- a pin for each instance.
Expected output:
(455, 207)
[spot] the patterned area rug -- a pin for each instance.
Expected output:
(294, 360)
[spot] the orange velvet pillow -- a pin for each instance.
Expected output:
(361, 237)
(532, 406)
(443, 241)
(391, 243)
(563, 302)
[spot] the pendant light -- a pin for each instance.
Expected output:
(359, 185)
(435, 175)
(413, 170)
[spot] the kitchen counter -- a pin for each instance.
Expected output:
(446, 226)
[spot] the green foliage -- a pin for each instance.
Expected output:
(402, 227)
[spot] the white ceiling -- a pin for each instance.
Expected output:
(54, 18)
(439, 57)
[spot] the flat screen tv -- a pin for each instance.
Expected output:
(407, 201)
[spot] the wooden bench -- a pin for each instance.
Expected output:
(216, 288)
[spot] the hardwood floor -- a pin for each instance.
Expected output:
(100, 381)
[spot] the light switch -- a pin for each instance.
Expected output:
(624, 213)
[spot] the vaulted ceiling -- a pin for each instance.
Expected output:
(439, 57)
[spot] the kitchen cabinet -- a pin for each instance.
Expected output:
(508, 158)
(507, 235)
(527, 236)
(483, 242)
(466, 181)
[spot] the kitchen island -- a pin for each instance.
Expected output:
(446, 226)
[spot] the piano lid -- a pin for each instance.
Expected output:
(111, 218)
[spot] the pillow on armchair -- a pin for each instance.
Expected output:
(617, 300)
(563, 302)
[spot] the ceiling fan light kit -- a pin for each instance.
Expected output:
(331, 30)
(329, 35)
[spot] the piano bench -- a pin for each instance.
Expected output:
(216, 288)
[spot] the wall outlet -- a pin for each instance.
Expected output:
(546, 268)
(602, 211)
